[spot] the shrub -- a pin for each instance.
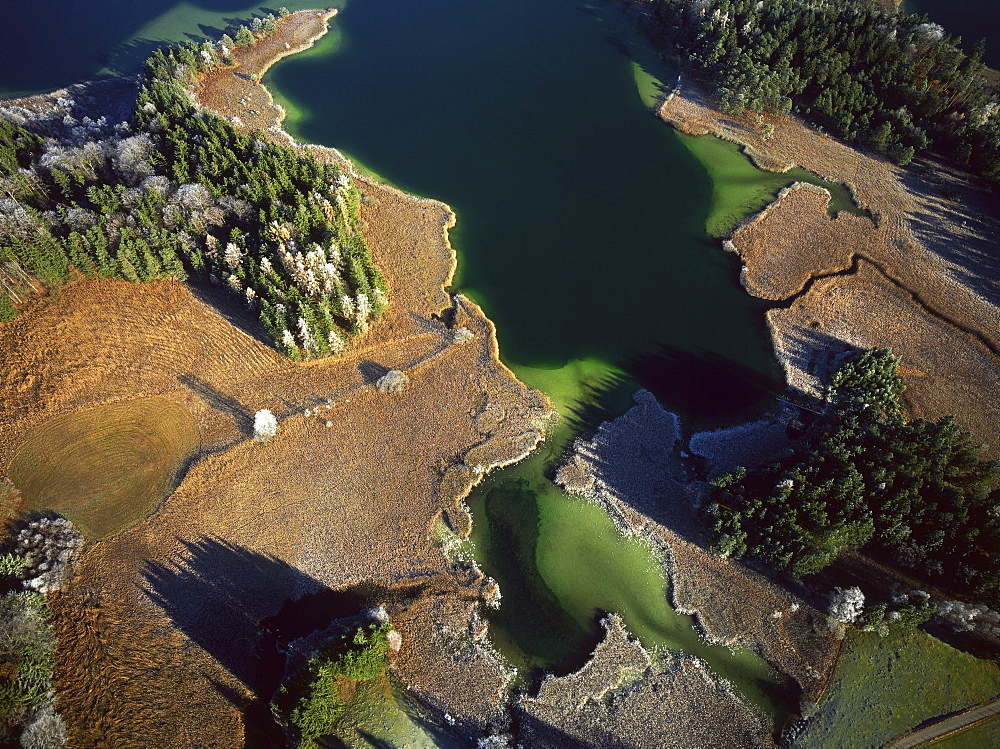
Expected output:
(265, 425)
(315, 699)
(393, 381)
(46, 730)
(49, 548)
(26, 660)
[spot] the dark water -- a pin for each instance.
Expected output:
(580, 216)
(48, 44)
(970, 19)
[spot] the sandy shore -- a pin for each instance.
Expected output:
(160, 641)
(918, 277)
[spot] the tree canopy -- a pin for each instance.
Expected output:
(916, 493)
(894, 82)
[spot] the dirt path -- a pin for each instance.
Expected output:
(949, 725)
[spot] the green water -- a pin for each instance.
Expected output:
(584, 230)
(740, 189)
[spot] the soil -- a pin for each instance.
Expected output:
(159, 636)
(932, 240)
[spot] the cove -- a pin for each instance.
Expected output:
(582, 230)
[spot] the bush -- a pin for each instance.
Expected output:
(392, 381)
(26, 660)
(265, 425)
(315, 699)
(46, 730)
(48, 548)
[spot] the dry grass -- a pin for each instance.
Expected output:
(622, 698)
(106, 468)
(792, 241)
(159, 637)
(933, 242)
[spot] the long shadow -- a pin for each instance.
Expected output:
(532, 731)
(706, 386)
(232, 309)
(602, 400)
(217, 593)
(241, 414)
(962, 201)
(244, 608)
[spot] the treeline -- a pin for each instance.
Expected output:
(896, 83)
(182, 193)
(914, 493)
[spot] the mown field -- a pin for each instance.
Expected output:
(108, 467)
(884, 687)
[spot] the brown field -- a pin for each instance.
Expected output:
(160, 641)
(933, 241)
(106, 468)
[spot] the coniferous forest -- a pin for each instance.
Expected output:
(178, 192)
(915, 493)
(892, 82)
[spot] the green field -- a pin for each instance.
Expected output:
(978, 736)
(884, 687)
(106, 468)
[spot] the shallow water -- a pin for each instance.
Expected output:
(584, 230)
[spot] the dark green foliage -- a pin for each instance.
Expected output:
(894, 82)
(313, 700)
(266, 221)
(899, 616)
(916, 492)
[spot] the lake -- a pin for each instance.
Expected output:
(586, 229)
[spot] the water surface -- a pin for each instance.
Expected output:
(583, 230)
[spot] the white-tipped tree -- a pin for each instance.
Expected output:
(265, 425)
(846, 605)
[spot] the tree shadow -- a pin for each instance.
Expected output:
(533, 731)
(218, 400)
(710, 387)
(218, 592)
(371, 372)
(232, 309)
(243, 608)
(602, 400)
(957, 202)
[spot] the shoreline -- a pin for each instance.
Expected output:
(344, 498)
(915, 277)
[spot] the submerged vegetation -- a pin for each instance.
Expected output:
(894, 82)
(182, 193)
(915, 493)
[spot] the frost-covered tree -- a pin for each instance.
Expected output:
(846, 605)
(46, 730)
(49, 548)
(265, 425)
